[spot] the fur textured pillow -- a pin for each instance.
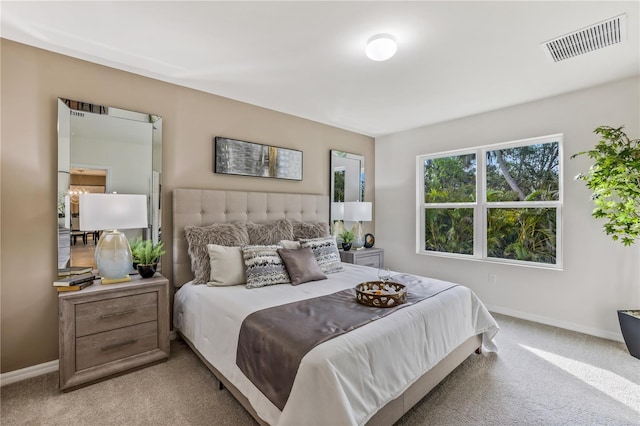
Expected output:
(222, 234)
(270, 233)
(302, 265)
(303, 230)
(325, 252)
(264, 266)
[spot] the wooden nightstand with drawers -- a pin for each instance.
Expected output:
(109, 329)
(373, 257)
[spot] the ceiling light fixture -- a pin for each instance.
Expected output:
(381, 47)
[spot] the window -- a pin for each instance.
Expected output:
(500, 202)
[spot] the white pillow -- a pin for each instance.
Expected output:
(227, 266)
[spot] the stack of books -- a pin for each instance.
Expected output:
(74, 282)
(74, 270)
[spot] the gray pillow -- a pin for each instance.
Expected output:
(222, 234)
(325, 252)
(302, 265)
(303, 230)
(270, 233)
(288, 244)
(264, 266)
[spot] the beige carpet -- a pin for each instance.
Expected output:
(541, 376)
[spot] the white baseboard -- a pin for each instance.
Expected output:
(28, 372)
(40, 369)
(556, 323)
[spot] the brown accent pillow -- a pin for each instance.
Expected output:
(265, 234)
(310, 230)
(301, 265)
(222, 234)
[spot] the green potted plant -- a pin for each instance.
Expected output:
(614, 179)
(134, 244)
(145, 254)
(347, 238)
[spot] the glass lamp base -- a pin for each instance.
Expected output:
(358, 234)
(113, 255)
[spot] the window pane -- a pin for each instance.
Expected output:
(522, 234)
(450, 179)
(525, 173)
(449, 230)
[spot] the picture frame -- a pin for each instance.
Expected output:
(369, 240)
(237, 157)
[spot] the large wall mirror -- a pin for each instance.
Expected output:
(102, 149)
(347, 184)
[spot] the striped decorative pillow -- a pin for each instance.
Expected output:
(264, 266)
(326, 253)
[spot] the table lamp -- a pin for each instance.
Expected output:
(108, 213)
(357, 211)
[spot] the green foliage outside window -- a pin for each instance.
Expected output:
(338, 186)
(522, 234)
(449, 230)
(450, 179)
(513, 175)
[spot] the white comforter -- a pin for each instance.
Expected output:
(346, 379)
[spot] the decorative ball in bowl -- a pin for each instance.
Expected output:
(380, 294)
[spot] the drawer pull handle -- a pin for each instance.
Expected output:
(116, 314)
(117, 345)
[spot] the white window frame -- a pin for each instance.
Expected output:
(480, 206)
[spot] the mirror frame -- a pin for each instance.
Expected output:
(338, 157)
(67, 108)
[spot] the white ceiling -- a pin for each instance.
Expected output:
(307, 58)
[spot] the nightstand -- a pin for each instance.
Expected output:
(373, 257)
(109, 329)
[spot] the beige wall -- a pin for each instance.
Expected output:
(31, 81)
(599, 276)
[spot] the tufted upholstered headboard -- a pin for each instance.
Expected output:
(206, 206)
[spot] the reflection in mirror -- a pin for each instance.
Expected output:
(102, 149)
(347, 184)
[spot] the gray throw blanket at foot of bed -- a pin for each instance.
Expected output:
(273, 341)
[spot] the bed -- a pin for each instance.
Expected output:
(370, 375)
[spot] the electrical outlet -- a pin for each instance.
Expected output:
(493, 278)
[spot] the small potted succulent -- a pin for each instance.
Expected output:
(145, 254)
(614, 179)
(347, 239)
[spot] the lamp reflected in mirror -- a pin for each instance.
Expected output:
(337, 216)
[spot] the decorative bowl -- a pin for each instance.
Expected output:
(380, 294)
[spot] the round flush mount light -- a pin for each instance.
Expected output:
(381, 47)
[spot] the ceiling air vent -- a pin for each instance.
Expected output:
(588, 39)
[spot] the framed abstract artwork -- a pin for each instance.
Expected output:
(235, 157)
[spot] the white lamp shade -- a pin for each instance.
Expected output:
(356, 211)
(381, 47)
(112, 211)
(337, 211)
